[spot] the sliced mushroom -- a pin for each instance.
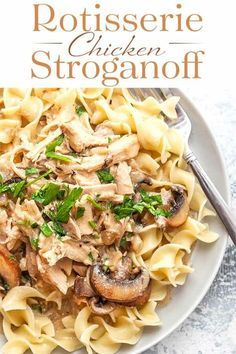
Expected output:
(9, 268)
(83, 288)
(134, 291)
(100, 307)
(179, 209)
(80, 268)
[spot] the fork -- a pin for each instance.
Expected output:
(183, 125)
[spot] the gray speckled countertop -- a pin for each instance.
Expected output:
(211, 328)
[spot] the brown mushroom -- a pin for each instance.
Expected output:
(179, 208)
(82, 287)
(9, 268)
(130, 292)
(100, 307)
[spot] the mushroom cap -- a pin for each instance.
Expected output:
(180, 208)
(9, 268)
(100, 307)
(123, 291)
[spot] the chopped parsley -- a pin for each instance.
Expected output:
(35, 243)
(50, 150)
(92, 224)
(36, 307)
(1, 178)
(90, 255)
(45, 174)
(80, 110)
(109, 140)
(105, 176)
(31, 171)
(6, 286)
(64, 208)
(57, 142)
(47, 194)
(46, 230)
(56, 226)
(124, 240)
(34, 225)
(80, 212)
(12, 257)
(55, 156)
(15, 188)
(148, 202)
(95, 203)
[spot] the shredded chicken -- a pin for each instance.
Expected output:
(123, 149)
(123, 180)
(80, 137)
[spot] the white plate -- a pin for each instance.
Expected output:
(206, 259)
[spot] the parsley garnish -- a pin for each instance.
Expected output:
(57, 142)
(105, 176)
(124, 240)
(64, 208)
(80, 212)
(80, 110)
(31, 171)
(56, 226)
(14, 188)
(46, 194)
(40, 177)
(50, 150)
(36, 307)
(46, 230)
(92, 224)
(90, 255)
(35, 243)
(1, 178)
(12, 257)
(55, 156)
(94, 203)
(148, 202)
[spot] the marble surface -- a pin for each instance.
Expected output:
(211, 328)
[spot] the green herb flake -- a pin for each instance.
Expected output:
(34, 225)
(64, 208)
(90, 255)
(105, 176)
(45, 174)
(35, 243)
(80, 110)
(57, 142)
(12, 257)
(46, 230)
(6, 286)
(95, 203)
(1, 179)
(125, 239)
(36, 307)
(31, 171)
(55, 156)
(80, 212)
(56, 226)
(109, 140)
(92, 224)
(148, 202)
(47, 194)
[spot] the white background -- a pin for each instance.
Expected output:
(217, 38)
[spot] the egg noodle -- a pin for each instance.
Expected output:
(98, 217)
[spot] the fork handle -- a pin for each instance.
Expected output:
(213, 195)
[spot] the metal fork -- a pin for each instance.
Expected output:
(183, 124)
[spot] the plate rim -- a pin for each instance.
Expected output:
(212, 276)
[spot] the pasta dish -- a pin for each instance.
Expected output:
(99, 214)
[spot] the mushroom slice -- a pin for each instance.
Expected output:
(9, 268)
(100, 307)
(123, 291)
(179, 209)
(82, 287)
